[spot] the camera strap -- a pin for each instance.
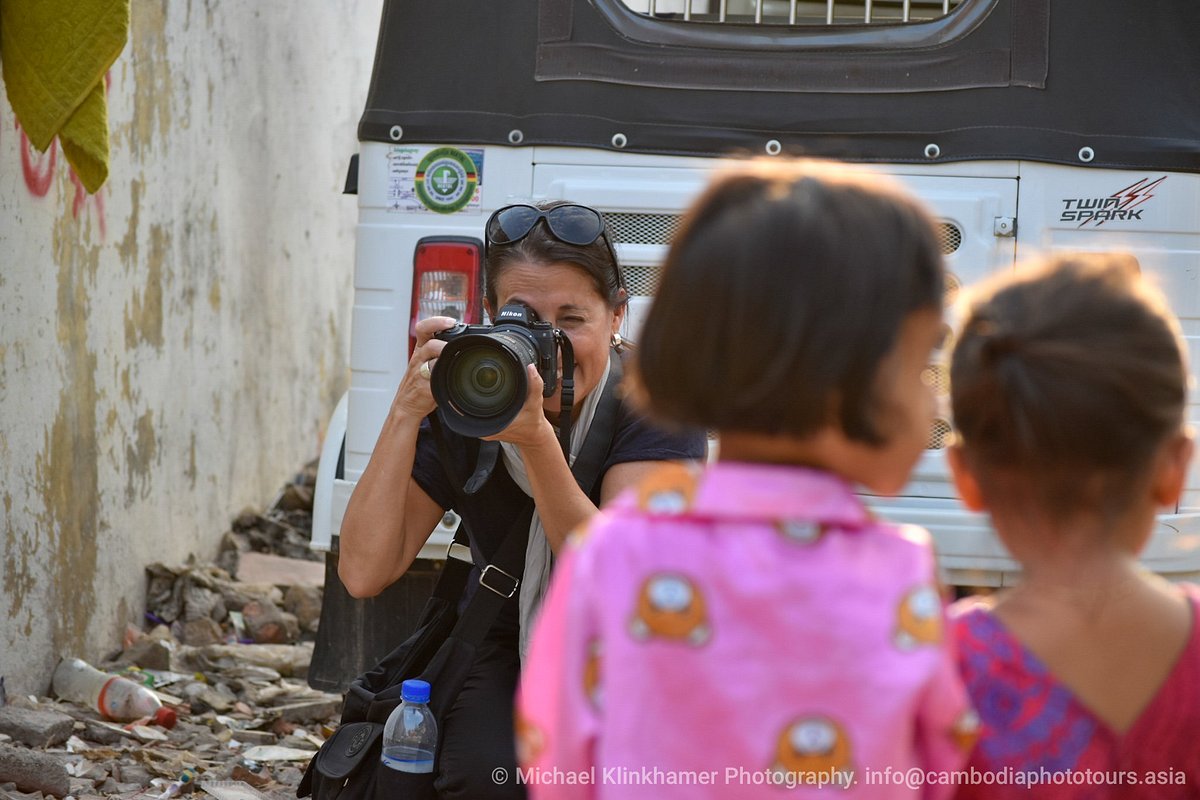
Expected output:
(567, 393)
(485, 462)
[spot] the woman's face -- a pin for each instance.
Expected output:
(565, 296)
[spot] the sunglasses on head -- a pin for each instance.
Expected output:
(570, 224)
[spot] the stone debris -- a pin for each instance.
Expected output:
(232, 790)
(35, 727)
(280, 570)
(229, 655)
(32, 771)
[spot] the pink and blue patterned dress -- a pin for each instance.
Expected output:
(1035, 728)
(748, 631)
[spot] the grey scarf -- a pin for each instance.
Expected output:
(538, 556)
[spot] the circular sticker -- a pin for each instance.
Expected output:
(446, 180)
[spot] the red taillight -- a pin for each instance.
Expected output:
(447, 281)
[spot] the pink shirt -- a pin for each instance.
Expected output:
(737, 632)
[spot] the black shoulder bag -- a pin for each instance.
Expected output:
(442, 649)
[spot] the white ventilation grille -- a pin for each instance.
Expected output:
(950, 236)
(626, 228)
(796, 12)
(940, 434)
(641, 281)
(657, 229)
(633, 228)
(937, 377)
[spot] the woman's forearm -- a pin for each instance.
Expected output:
(389, 516)
(378, 541)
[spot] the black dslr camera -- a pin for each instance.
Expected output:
(479, 380)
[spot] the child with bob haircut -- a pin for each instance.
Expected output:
(750, 628)
(1069, 388)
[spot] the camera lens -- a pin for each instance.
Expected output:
(479, 380)
(482, 384)
(487, 378)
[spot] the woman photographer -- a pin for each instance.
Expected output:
(556, 259)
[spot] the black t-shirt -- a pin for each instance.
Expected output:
(492, 512)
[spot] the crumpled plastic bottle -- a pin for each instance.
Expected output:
(117, 698)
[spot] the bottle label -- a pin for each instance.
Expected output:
(406, 758)
(102, 700)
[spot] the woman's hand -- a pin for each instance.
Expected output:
(413, 397)
(530, 429)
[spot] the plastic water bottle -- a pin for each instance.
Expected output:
(410, 735)
(117, 698)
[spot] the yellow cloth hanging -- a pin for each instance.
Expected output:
(54, 54)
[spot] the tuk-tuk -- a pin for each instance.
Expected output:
(1025, 128)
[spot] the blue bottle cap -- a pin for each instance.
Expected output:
(415, 691)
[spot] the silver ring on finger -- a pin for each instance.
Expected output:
(424, 370)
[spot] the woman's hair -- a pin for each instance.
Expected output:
(540, 247)
(1065, 381)
(784, 289)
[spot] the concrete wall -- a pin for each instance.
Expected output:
(171, 347)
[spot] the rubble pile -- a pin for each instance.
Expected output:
(227, 645)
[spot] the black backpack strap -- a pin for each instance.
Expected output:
(501, 577)
(499, 581)
(459, 563)
(594, 451)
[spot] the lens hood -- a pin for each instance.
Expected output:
(479, 381)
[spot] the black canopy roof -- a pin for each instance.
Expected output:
(995, 79)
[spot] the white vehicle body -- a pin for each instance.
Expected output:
(992, 215)
(1015, 183)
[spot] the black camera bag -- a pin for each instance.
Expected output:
(441, 651)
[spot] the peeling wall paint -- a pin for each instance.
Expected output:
(144, 314)
(66, 468)
(140, 458)
(153, 92)
(171, 347)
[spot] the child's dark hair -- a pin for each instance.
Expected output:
(782, 292)
(1065, 382)
(539, 246)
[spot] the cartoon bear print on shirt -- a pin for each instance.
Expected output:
(801, 531)
(670, 606)
(592, 688)
(578, 535)
(966, 730)
(919, 618)
(531, 742)
(669, 489)
(815, 748)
